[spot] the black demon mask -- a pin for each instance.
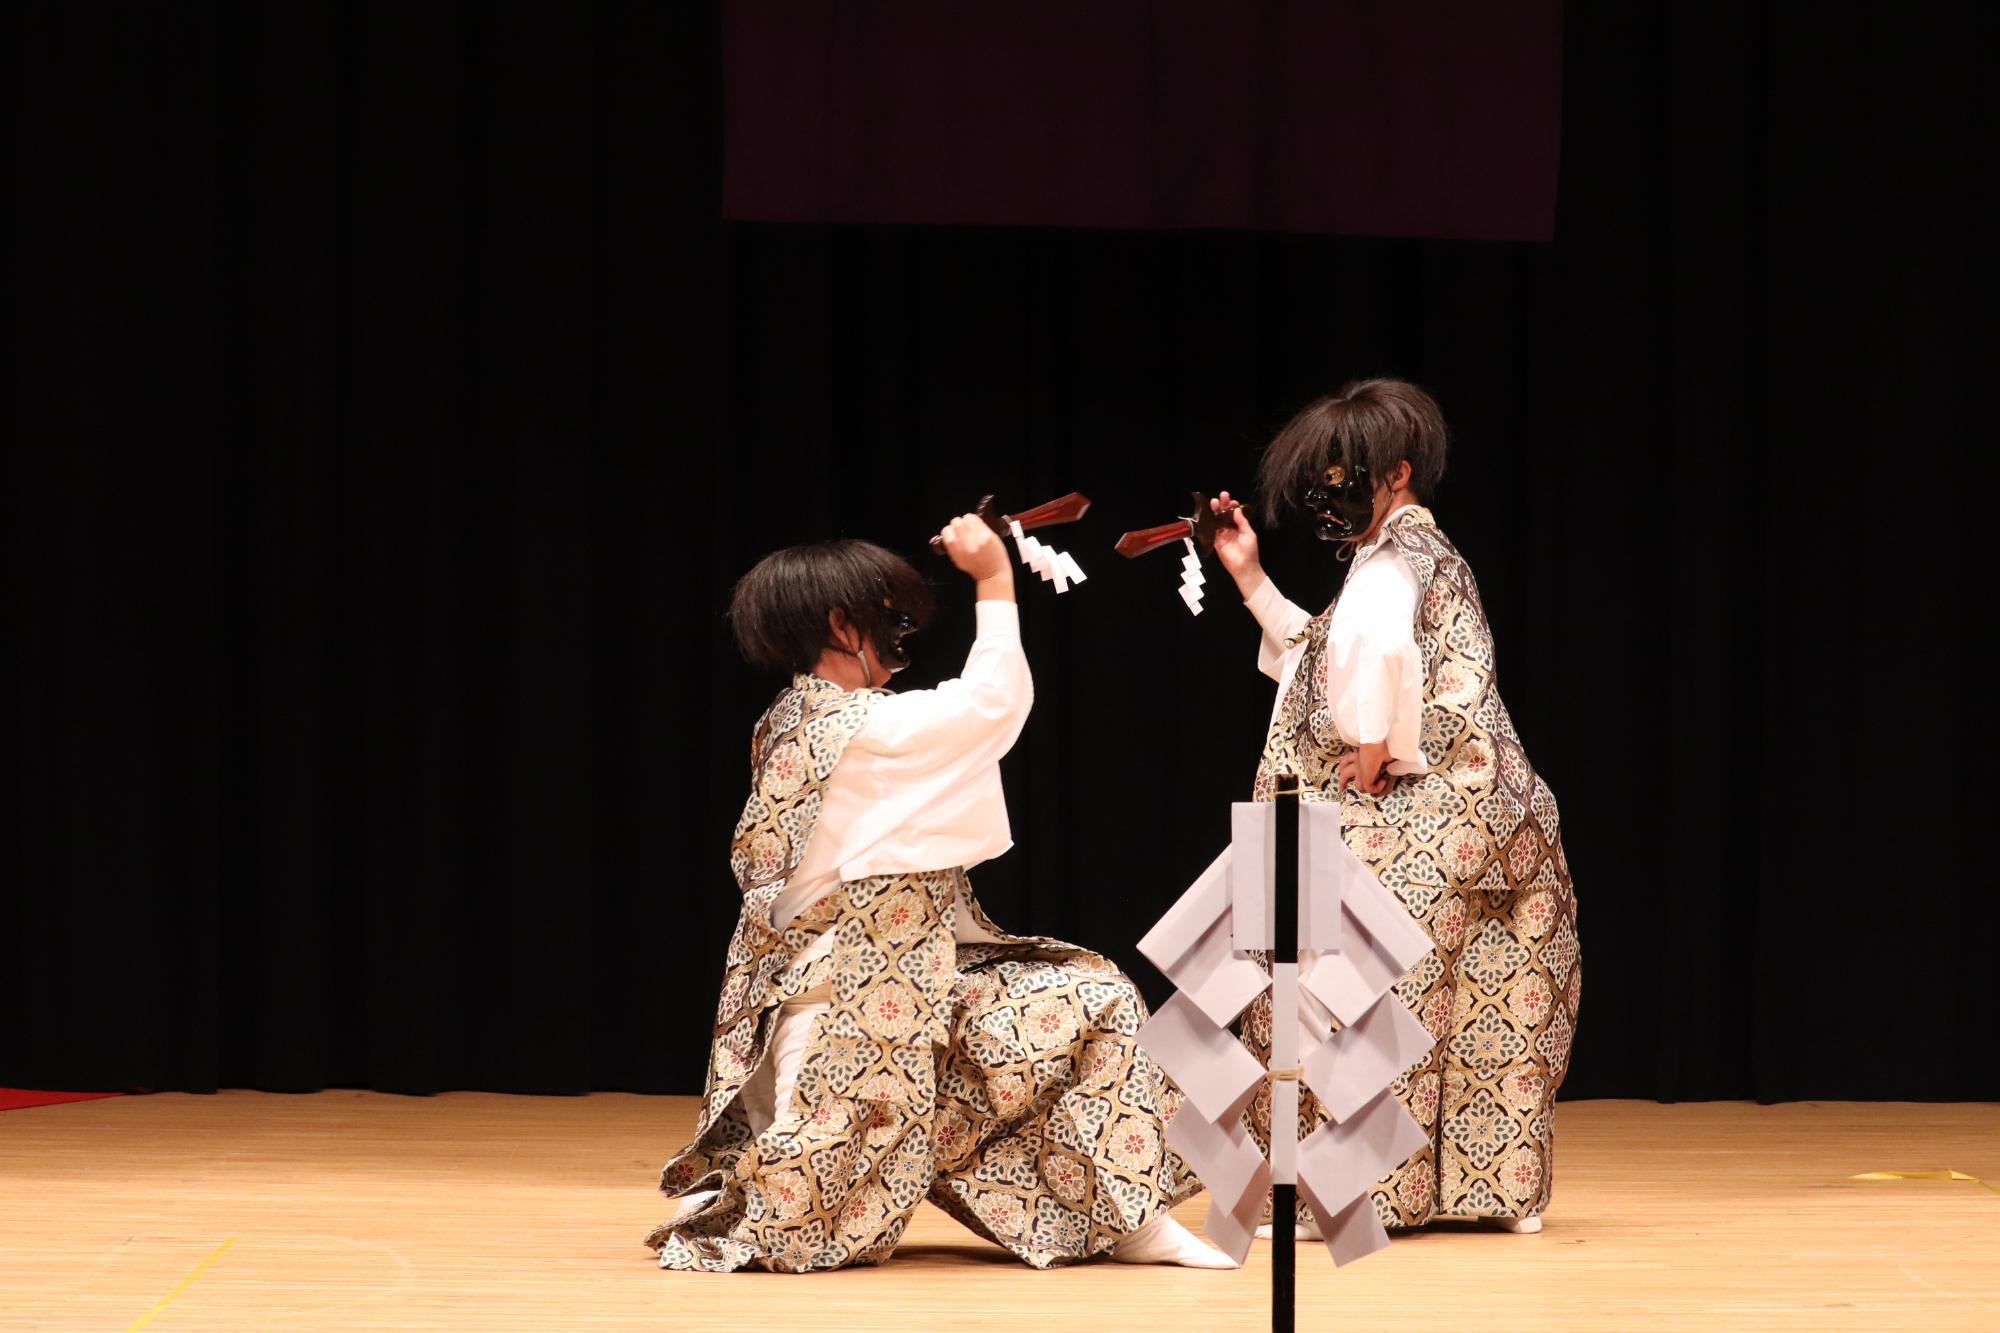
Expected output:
(887, 633)
(1342, 501)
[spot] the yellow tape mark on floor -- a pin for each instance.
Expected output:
(168, 1299)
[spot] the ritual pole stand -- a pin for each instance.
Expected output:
(1284, 1060)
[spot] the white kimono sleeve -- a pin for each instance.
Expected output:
(1375, 671)
(920, 781)
(1280, 619)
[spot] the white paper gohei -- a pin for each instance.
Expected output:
(1211, 1066)
(1356, 940)
(1191, 947)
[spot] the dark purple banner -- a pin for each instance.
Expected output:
(1362, 117)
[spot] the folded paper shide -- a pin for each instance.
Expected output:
(1336, 1023)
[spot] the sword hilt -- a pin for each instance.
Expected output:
(1198, 526)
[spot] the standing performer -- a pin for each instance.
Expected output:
(879, 1041)
(1387, 703)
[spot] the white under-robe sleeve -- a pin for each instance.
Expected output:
(1280, 619)
(1375, 671)
(972, 719)
(920, 781)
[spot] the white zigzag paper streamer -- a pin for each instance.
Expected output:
(1365, 941)
(1191, 577)
(1057, 567)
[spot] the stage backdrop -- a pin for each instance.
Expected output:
(393, 411)
(1363, 117)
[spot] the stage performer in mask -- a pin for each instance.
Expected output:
(879, 1041)
(1388, 703)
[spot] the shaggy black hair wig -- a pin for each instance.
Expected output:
(1378, 422)
(779, 609)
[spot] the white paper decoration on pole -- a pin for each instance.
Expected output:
(1356, 941)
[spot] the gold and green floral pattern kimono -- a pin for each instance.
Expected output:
(999, 1080)
(1473, 848)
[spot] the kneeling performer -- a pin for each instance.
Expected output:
(879, 1041)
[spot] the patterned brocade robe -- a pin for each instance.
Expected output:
(1473, 848)
(1001, 1080)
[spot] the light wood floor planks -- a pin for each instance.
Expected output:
(349, 1210)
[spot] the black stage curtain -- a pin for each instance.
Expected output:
(392, 413)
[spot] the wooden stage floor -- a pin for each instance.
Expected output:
(348, 1210)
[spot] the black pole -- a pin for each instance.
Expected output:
(1285, 949)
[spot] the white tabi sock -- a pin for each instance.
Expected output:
(1165, 1241)
(1520, 1226)
(1303, 1231)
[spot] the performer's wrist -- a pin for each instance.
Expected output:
(995, 587)
(1249, 580)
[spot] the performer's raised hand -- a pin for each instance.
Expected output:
(974, 548)
(1236, 544)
